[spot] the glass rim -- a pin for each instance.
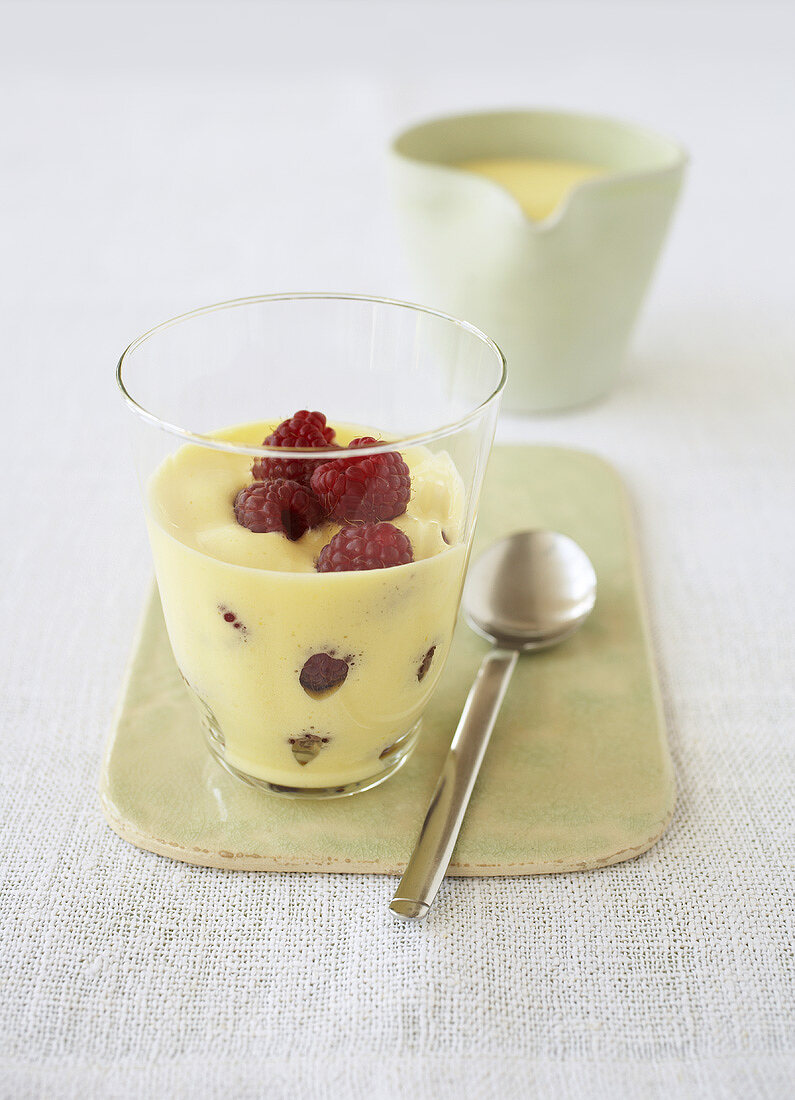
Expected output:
(203, 440)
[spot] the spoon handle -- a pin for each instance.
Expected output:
(431, 856)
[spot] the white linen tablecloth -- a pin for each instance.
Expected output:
(156, 157)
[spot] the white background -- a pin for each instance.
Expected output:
(157, 157)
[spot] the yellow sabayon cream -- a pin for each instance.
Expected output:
(246, 611)
(538, 185)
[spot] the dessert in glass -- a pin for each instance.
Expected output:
(310, 467)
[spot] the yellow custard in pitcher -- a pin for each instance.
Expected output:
(539, 185)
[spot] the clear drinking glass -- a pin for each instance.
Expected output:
(310, 683)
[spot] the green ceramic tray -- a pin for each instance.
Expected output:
(577, 776)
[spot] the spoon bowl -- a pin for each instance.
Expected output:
(530, 590)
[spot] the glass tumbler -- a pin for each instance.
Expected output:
(310, 588)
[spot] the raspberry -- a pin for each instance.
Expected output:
(303, 429)
(425, 663)
(322, 672)
(362, 490)
(367, 546)
(231, 618)
(306, 746)
(280, 505)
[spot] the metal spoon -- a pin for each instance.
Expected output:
(526, 592)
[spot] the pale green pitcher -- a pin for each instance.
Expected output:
(560, 296)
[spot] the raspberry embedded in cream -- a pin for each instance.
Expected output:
(380, 623)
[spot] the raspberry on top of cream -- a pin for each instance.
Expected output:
(207, 499)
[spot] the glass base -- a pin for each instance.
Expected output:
(391, 761)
